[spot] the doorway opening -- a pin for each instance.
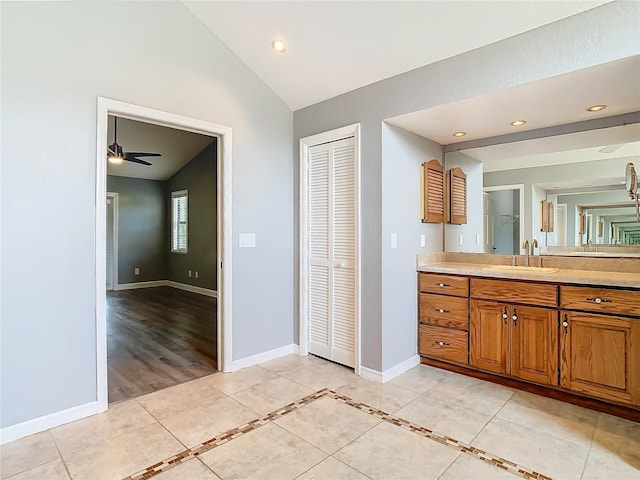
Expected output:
(161, 314)
(503, 228)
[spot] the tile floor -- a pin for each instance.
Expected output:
(305, 418)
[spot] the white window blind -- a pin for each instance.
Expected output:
(179, 221)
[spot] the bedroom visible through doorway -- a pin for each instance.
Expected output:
(161, 268)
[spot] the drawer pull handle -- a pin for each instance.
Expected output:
(442, 310)
(565, 324)
(598, 300)
(442, 344)
(442, 285)
(505, 316)
(515, 317)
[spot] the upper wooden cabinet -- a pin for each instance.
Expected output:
(456, 196)
(432, 205)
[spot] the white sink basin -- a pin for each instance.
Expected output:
(511, 268)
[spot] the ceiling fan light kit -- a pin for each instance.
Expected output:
(116, 156)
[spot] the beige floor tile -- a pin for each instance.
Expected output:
(445, 418)
(191, 470)
(332, 469)
(467, 467)
(385, 396)
(607, 463)
(53, 470)
(471, 393)
(170, 401)
(421, 378)
(390, 452)
(118, 419)
(124, 455)
(563, 420)
(615, 450)
(539, 451)
(231, 383)
(27, 453)
(289, 362)
(321, 375)
(272, 394)
(269, 452)
(327, 424)
(206, 421)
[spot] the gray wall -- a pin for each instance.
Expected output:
(402, 155)
(199, 178)
(57, 58)
(142, 221)
(597, 36)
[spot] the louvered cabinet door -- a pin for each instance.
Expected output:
(432, 207)
(457, 187)
(332, 244)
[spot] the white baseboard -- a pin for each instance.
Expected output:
(192, 288)
(40, 424)
(167, 283)
(131, 286)
(390, 373)
(262, 357)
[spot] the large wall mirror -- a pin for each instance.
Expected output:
(582, 175)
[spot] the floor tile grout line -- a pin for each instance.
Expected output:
(443, 439)
(593, 435)
(225, 437)
(64, 463)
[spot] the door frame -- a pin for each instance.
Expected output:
(106, 107)
(305, 144)
(114, 268)
(520, 188)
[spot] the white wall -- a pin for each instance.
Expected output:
(57, 58)
(402, 155)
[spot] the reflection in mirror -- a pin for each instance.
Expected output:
(582, 174)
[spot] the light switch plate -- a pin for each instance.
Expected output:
(394, 240)
(460, 240)
(423, 240)
(247, 240)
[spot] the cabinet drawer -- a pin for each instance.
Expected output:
(444, 311)
(542, 294)
(598, 299)
(445, 284)
(444, 343)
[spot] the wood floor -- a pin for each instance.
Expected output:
(158, 337)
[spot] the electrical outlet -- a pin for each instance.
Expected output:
(423, 240)
(460, 240)
(394, 240)
(136, 271)
(189, 273)
(196, 274)
(477, 239)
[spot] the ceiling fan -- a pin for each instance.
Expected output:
(116, 155)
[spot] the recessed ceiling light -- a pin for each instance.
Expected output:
(518, 123)
(279, 46)
(596, 108)
(459, 134)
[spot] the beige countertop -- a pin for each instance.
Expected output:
(558, 275)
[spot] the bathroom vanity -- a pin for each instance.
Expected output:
(558, 331)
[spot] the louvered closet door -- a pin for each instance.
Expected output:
(331, 245)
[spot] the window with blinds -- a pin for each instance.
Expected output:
(179, 221)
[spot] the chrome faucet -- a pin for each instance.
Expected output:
(525, 246)
(589, 243)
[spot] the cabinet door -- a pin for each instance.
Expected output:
(534, 344)
(601, 356)
(489, 335)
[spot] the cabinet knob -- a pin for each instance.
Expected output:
(442, 344)
(441, 310)
(565, 323)
(505, 316)
(598, 300)
(442, 285)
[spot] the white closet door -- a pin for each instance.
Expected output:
(332, 247)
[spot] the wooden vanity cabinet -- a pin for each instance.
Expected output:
(600, 345)
(443, 314)
(512, 339)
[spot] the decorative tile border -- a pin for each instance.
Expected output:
(229, 435)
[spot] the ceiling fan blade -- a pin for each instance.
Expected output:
(611, 148)
(130, 158)
(144, 154)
